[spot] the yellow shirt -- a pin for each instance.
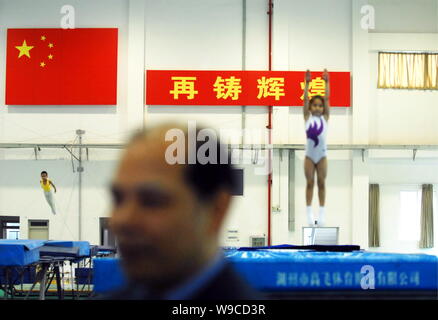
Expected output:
(46, 187)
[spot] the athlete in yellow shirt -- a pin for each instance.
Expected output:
(46, 185)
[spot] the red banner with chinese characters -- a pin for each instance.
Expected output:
(248, 88)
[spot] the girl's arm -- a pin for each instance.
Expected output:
(307, 79)
(327, 95)
(53, 185)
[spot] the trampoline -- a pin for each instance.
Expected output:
(40, 261)
(333, 272)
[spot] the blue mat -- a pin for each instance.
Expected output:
(84, 275)
(286, 270)
(107, 275)
(279, 270)
(19, 252)
(84, 246)
(27, 275)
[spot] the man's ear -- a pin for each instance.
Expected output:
(220, 208)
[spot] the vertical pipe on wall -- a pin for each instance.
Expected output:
(144, 69)
(291, 177)
(243, 125)
(269, 126)
(80, 170)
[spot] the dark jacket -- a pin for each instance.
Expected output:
(226, 285)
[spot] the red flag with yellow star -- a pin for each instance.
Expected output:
(61, 66)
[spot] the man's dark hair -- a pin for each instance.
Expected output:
(206, 179)
(43, 172)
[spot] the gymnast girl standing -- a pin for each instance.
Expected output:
(316, 115)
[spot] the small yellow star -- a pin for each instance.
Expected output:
(24, 49)
(42, 64)
(50, 45)
(43, 38)
(50, 56)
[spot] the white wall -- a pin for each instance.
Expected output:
(394, 176)
(173, 43)
(319, 36)
(405, 16)
(21, 195)
(207, 35)
(402, 116)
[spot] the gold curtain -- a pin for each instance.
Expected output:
(426, 238)
(408, 70)
(374, 216)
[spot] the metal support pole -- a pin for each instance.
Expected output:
(58, 282)
(80, 170)
(243, 124)
(291, 191)
(42, 295)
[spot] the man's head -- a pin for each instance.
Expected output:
(44, 175)
(167, 217)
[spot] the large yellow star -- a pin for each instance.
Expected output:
(24, 49)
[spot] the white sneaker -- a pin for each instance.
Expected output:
(321, 217)
(310, 219)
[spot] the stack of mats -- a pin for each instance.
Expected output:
(83, 246)
(19, 252)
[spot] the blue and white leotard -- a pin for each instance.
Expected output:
(316, 131)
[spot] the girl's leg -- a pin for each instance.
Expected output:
(321, 173)
(309, 172)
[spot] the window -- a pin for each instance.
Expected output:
(12, 230)
(9, 227)
(398, 70)
(410, 213)
(107, 237)
(35, 223)
(13, 234)
(12, 224)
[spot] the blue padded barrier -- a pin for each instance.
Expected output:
(280, 270)
(107, 275)
(19, 252)
(84, 246)
(286, 270)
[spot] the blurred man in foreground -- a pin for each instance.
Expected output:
(167, 219)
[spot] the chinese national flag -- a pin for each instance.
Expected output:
(61, 67)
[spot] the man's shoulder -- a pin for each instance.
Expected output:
(128, 292)
(227, 285)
